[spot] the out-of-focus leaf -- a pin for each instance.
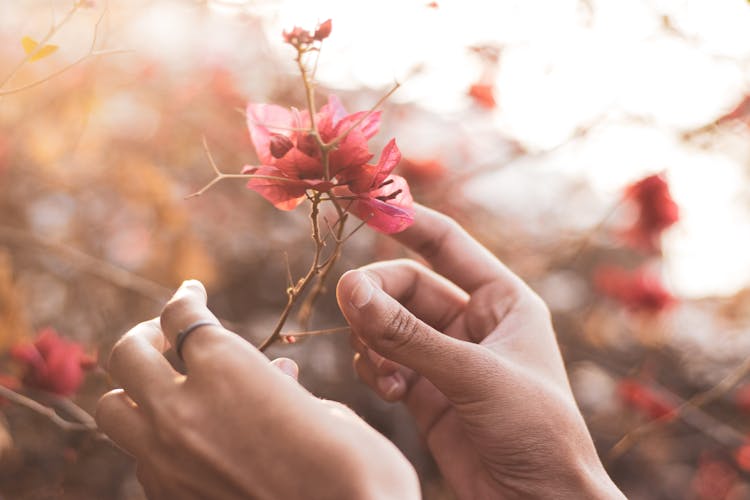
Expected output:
(29, 45)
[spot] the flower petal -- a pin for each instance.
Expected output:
(369, 126)
(262, 120)
(328, 117)
(387, 215)
(285, 195)
(369, 177)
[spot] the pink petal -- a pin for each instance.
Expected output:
(369, 177)
(351, 152)
(261, 120)
(390, 216)
(329, 116)
(369, 126)
(297, 164)
(285, 195)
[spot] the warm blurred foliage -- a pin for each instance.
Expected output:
(99, 147)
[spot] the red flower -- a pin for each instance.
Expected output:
(644, 399)
(483, 94)
(638, 290)
(656, 212)
(52, 363)
(291, 162)
(299, 37)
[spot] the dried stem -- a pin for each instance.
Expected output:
(311, 333)
(86, 424)
(687, 407)
(88, 263)
(295, 291)
(220, 176)
(92, 52)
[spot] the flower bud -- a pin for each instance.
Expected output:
(279, 145)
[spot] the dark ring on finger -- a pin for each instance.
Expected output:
(183, 334)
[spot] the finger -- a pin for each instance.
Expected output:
(391, 387)
(120, 419)
(452, 252)
(287, 367)
(187, 307)
(429, 296)
(455, 367)
(138, 365)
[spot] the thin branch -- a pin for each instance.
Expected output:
(26, 402)
(220, 176)
(685, 408)
(356, 124)
(310, 333)
(88, 263)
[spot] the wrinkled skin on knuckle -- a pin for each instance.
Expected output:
(400, 329)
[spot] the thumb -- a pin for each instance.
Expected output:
(455, 367)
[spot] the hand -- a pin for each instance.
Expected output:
(470, 350)
(237, 426)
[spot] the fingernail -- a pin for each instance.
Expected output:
(288, 367)
(362, 293)
(390, 386)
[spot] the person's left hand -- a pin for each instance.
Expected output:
(237, 425)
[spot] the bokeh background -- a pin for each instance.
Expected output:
(531, 122)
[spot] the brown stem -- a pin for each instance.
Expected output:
(684, 409)
(21, 400)
(306, 309)
(295, 291)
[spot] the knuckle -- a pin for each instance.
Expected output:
(400, 329)
(174, 310)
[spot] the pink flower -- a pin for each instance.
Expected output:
(292, 162)
(645, 400)
(299, 37)
(640, 290)
(656, 212)
(52, 363)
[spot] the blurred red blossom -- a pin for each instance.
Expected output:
(292, 162)
(647, 401)
(300, 37)
(742, 456)
(639, 290)
(742, 398)
(713, 479)
(52, 363)
(741, 113)
(656, 211)
(483, 94)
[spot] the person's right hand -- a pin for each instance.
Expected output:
(470, 350)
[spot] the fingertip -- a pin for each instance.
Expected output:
(391, 387)
(287, 366)
(195, 287)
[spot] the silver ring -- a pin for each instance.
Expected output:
(183, 334)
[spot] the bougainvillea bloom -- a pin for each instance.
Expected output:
(292, 163)
(483, 94)
(656, 212)
(645, 400)
(300, 37)
(639, 290)
(52, 363)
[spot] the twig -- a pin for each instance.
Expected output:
(356, 124)
(90, 264)
(90, 54)
(26, 402)
(310, 333)
(220, 176)
(295, 291)
(686, 407)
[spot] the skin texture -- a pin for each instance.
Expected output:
(237, 426)
(471, 352)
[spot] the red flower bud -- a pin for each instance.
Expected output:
(279, 145)
(323, 31)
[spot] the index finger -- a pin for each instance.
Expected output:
(453, 253)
